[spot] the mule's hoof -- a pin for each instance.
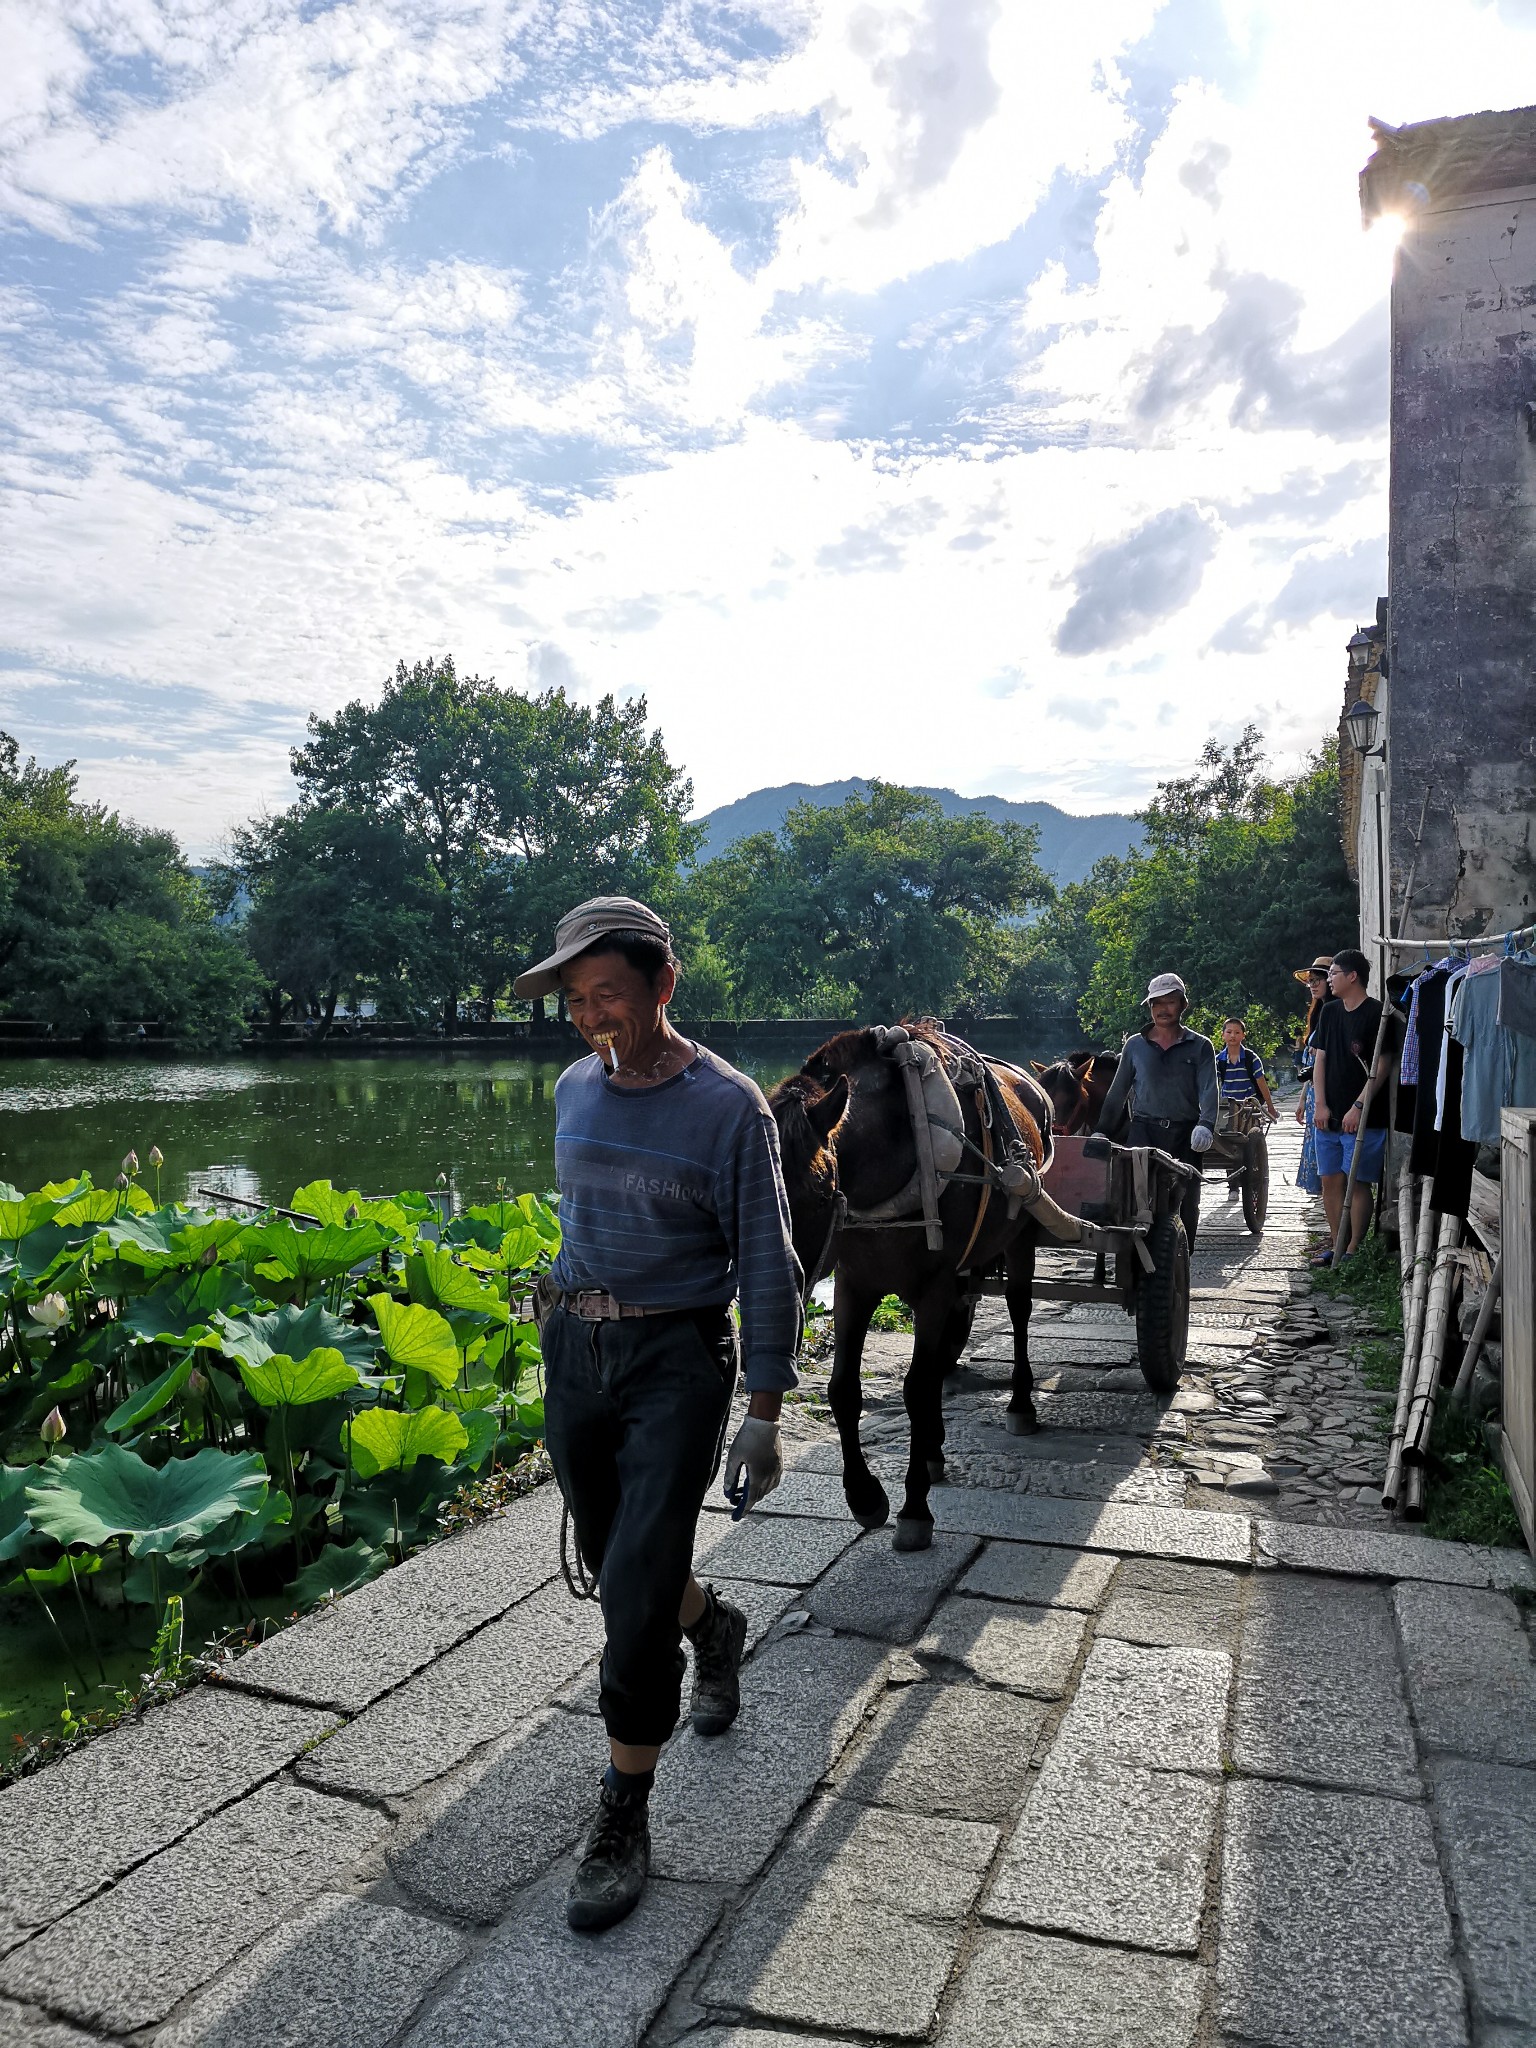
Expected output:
(871, 1510)
(1021, 1422)
(912, 1535)
(935, 1471)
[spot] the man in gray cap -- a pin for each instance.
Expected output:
(672, 1204)
(1168, 1076)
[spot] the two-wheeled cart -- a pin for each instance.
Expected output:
(1240, 1150)
(1131, 1195)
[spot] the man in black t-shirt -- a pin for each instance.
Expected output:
(1346, 1039)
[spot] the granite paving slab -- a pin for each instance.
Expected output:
(472, 1695)
(127, 1957)
(763, 1604)
(786, 1550)
(67, 1831)
(1176, 1606)
(474, 1840)
(856, 1926)
(953, 1750)
(1021, 1990)
(1359, 1553)
(537, 1982)
(875, 1590)
(1039, 1575)
(1088, 1525)
(1470, 1674)
(1319, 1694)
(721, 1806)
(24, 2027)
(1028, 1649)
(1163, 1708)
(763, 2037)
(1111, 1852)
(1486, 1814)
(343, 1974)
(799, 1492)
(1334, 1926)
(365, 1644)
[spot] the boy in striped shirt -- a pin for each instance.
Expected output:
(1240, 1072)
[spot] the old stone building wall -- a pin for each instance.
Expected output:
(1462, 548)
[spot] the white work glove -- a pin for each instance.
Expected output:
(1200, 1138)
(754, 1453)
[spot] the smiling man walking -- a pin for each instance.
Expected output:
(672, 1204)
(1167, 1076)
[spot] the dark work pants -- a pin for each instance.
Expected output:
(634, 1420)
(1172, 1138)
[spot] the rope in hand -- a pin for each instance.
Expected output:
(579, 1582)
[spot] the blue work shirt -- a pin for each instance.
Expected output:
(1176, 1082)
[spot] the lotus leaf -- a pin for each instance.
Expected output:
(387, 1440)
(148, 1400)
(330, 1205)
(16, 1532)
(170, 1236)
(23, 1213)
(99, 1205)
(275, 1512)
(288, 1253)
(180, 1309)
(337, 1570)
(56, 1574)
(295, 1332)
(482, 1428)
(283, 1382)
(90, 1498)
(435, 1278)
(416, 1336)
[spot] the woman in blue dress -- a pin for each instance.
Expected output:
(1316, 979)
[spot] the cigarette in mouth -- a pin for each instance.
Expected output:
(606, 1042)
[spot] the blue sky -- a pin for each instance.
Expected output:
(965, 391)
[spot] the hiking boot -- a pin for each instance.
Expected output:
(719, 1637)
(615, 1861)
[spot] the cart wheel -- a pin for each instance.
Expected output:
(1162, 1306)
(1255, 1181)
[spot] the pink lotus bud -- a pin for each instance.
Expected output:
(442, 1180)
(130, 1162)
(197, 1382)
(353, 1213)
(121, 1181)
(156, 1157)
(209, 1258)
(52, 1430)
(52, 1311)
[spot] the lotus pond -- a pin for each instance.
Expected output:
(211, 1421)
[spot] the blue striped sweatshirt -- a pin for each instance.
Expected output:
(673, 1197)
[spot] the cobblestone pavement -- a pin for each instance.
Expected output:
(1169, 1740)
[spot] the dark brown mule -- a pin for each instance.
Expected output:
(1077, 1084)
(845, 1130)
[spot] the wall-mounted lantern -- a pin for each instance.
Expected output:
(1360, 722)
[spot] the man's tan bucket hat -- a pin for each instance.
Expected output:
(1320, 965)
(583, 927)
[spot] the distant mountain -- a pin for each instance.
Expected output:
(1069, 845)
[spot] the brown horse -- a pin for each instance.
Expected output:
(1077, 1084)
(845, 1132)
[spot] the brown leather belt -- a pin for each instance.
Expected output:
(595, 1306)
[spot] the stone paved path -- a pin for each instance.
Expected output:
(1153, 1747)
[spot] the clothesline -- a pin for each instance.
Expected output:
(1464, 945)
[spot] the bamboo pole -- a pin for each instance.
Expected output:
(1475, 1342)
(1437, 1322)
(1413, 1494)
(1407, 1231)
(1413, 1323)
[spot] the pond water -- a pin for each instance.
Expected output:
(261, 1127)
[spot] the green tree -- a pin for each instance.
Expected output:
(102, 922)
(1242, 877)
(333, 904)
(518, 806)
(880, 904)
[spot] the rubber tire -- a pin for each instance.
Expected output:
(1256, 1182)
(1162, 1306)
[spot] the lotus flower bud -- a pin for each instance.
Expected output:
(130, 1162)
(156, 1157)
(209, 1258)
(52, 1311)
(121, 1181)
(52, 1430)
(442, 1180)
(353, 1213)
(197, 1382)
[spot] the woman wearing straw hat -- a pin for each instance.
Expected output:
(1315, 980)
